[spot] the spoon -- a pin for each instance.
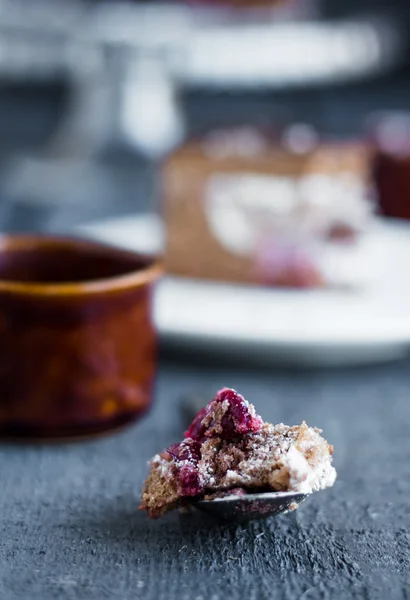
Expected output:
(251, 506)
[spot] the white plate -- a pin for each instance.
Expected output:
(319, 327)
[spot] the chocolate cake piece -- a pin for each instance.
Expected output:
(228, 448)
(246, 207)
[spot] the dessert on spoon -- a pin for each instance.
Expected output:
(231, 462)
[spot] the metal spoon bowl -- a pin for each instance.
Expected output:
(251, 506)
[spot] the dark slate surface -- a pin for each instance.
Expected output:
(69, 527)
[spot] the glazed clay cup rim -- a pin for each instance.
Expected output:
(151, 266)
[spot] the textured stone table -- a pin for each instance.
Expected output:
(69, 528)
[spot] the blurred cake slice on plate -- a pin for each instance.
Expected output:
(246, 207)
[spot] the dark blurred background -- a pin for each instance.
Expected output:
(93, 94)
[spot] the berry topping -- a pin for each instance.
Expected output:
(186, 451)
(227, 416)
(240, 418)
(287, 265)
(196, 430)
(187, 455)
(189, 481)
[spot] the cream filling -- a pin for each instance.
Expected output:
(242, 206)
(303, 477)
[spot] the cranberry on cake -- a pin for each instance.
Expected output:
(228, 448)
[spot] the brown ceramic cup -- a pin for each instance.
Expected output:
(77, 342)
